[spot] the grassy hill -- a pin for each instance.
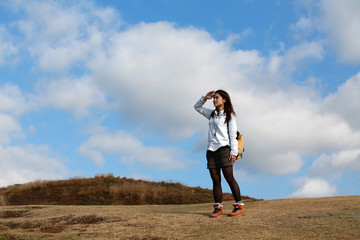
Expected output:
(104, 190)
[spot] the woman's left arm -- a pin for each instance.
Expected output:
(233, 141)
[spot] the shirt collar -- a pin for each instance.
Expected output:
(221, 112)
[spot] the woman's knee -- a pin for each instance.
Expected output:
(230, 179)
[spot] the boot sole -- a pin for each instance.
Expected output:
(216, 216)
(241, 214)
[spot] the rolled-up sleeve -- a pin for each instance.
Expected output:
(202, 110)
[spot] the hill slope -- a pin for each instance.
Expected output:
(322, 218)
(104, 190)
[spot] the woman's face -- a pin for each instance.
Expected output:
(218, 101)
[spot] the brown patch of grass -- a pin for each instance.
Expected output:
(13, 214)
(52, 225)
(52, 229)
(8, 237)
(89, 219)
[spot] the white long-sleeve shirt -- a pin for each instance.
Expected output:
(218, 135)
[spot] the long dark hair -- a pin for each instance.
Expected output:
(228, 107)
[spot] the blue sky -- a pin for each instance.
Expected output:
(97, 87)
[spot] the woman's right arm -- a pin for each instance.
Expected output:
(199, 105)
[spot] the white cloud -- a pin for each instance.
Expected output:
(64, 35)
(74, 95)
(346, 102)
(281, 128)
(305, 51)
(8, 125)
(302, 26)
(12, 100)
(338, 20)
(32, 130)
(131, 149)
(20, 164)
(60, 58)
(341, 20)
(59, 37)
(330, 164)
(314, 188)
(50, 20)
(158, 71)
(7, 48)
(243, 176)
(289, 61)
(12, 105)
(29, 163)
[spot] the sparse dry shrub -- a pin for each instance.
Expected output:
(28, 186)
(137, 193)
(114, 190)
(128, 193)
(2, 201)
(157, 194)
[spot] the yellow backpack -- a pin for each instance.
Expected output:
(240, 139)
(241, 147)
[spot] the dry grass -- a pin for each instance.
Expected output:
(104, 190)
(2, 200)
(323, 218)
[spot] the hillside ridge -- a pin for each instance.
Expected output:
(105, 190)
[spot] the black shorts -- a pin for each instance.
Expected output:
(219, 158)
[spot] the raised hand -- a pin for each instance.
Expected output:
(209, 95)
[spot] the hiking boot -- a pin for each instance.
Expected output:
(218, 210)
(239, 209)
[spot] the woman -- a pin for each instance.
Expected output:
(222, 148)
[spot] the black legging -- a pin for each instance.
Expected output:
(216, 178)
